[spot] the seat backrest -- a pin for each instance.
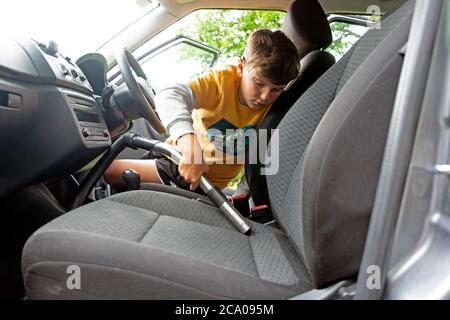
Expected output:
(307, 26)
(330, 148)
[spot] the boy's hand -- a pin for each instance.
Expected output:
(192, 165)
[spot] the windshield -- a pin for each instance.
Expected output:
(77, 26)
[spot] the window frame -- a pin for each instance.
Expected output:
(350, 19)
(159, 49)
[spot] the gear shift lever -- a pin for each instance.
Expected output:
(132, 179)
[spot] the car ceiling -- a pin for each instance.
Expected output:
(330, 6)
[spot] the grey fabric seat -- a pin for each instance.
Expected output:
(168, 246)
(148, 244)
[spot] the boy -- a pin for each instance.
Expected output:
(206, 116)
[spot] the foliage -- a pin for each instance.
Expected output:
(344, 36)
(228, 30)
(233, 184)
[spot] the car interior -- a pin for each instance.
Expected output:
(62, 124)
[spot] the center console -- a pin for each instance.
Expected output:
(50, 122)
(78, 94)
(88, 118)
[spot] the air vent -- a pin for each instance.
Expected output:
(84, 107)
(79, 101)
(88, 118)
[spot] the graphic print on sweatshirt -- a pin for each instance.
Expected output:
(229, 139)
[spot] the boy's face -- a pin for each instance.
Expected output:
(256, 92)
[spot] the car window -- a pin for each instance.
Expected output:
(345, 35)
(225, 30)
(182, 60)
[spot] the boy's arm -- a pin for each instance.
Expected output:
(174, 105)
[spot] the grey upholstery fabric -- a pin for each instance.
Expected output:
(167, 241)
(373, 38)
(308, 112)
(177, 191)
(323, 198)
(340, 178)
(313, 66)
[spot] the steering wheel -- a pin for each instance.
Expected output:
(139, 87)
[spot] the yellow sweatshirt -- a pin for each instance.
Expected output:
(220, 122)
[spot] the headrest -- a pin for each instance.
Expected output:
(307, 26)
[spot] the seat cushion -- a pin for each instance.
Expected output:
(176, 191)
(150, 245)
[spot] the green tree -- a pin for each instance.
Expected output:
(228, 30)
(344, 36)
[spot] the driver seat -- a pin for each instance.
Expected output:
(154, 245)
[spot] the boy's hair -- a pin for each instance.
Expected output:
(272, 55)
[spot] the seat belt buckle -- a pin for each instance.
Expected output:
(241, 204)
(261, 214)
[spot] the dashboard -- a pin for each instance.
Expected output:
(51, 121)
